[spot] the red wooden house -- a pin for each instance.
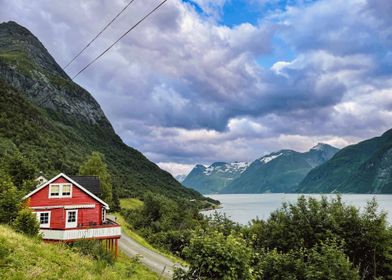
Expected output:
(68, 208)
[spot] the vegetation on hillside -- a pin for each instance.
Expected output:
(361, 168)
(309, 239)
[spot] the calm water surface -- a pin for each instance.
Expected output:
(243, 208)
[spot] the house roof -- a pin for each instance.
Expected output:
(91, 183)
(71, 181)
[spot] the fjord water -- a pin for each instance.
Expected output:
(242, 208)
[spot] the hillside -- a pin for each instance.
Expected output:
(280, 171)
(215, 177)
(56, 123)
(365, 167)
(25, 258)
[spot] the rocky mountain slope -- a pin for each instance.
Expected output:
(365, 167)
(280, 171)
(215, 177)
(56, 123)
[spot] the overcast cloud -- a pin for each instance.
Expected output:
(186, 87)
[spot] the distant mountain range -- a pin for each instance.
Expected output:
(214, 178)
(365, 167)
(280, 171)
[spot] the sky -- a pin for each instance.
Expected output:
(203, 81)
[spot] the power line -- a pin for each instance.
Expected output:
(100, 32)
(122, 36)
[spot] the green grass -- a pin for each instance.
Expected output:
(131, 203)
(25, 258)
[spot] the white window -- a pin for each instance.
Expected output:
(66, 190)
(43, 219)
(54, 190)
(60, 190)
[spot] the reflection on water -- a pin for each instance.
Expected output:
(243, 208)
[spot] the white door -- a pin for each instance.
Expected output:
(71, 219)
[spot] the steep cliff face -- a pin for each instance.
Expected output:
(365, 167)
(56, 123)
(28, 67)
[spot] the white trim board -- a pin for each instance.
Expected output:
(79, 206)
(71, 181)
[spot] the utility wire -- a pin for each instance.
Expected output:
(122, 36)
(99, 34)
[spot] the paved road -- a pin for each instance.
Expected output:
(156, 262)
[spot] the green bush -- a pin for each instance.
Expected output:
(212, 255)
(323, 262)
(26, 222)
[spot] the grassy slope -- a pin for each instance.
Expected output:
(25, 258)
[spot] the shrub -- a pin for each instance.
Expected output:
(26, 222)
(212, 255)
(323, 262)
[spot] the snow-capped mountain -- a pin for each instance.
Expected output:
(280, 171)
(215, 177)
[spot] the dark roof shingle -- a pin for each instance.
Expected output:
(90, 183)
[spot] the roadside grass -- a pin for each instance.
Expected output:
(22, 257)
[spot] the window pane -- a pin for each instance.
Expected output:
(71, 217)
(66, 190)
(44, 218)
(54, 190)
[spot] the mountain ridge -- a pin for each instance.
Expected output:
(212, 180)
(359, 168)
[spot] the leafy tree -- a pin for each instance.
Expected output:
(22, 172)
(26, 222)
(10, 199)
(212, 255)
(96, 166)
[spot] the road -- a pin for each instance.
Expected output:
(156, 262)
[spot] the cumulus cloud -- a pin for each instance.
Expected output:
(184, 88)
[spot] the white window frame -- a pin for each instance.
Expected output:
(67, 225)
(60, 190)
(39, 218)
